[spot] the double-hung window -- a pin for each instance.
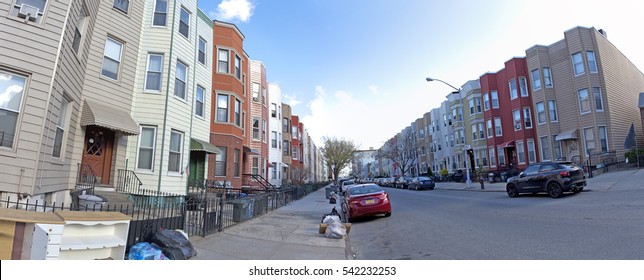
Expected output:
(220, 161)
(592, 63)
(223, 58)
(237, 112)
(547, 77)
(486, 101)
(489, 129)
(527, 117)
(236, 160)
(589, 140)
(584, 101)
(597, 94)
(181, 80)
(273, 110)
(176, 149)
(274, 139)
(184, 23)
(536, 79)
(256, 129)
(121, 5)
(541, 113)
(497, 127)
(222, 108)
(81, 29)
(523, 86)
(517, 119)
(520, 152)
(146, 147)
(578, 64)
(199, 102)
(495, 99)
(255, 92)
(153, 73)
(203, 46)
(111, 58)
(60, 128)
(513, 89)
(160, 13)
(481, 131)
(552, 110)
(237, 67)
(532, 155)
(255, 166)
(12, 88)
(544, 143)
(603, 139)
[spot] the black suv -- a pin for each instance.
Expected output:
(551, 177)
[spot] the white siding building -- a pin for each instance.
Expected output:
(275, 135)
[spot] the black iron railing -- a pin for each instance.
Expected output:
(128, 182)
(264, 184)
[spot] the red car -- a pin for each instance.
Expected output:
(366, 200)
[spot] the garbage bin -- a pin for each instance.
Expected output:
(328, 192)
(504, 176)
(242, 209)
(490, 177)
(88, 201)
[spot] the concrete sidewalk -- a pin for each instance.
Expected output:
(288, 233)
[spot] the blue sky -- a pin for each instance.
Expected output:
(356, 69)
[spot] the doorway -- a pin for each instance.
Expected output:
(97, 152)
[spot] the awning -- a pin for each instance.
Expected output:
(284, 165)
(251, 151)
(508, 144)
(570, 134)
(203, 146)
(108, 117)
(270, 165)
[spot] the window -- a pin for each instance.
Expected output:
(536, 79)
(12, 88)
(60, 128)
(146, 147)
(199, 101)
(236, 161)
(486, 101)
(592, 63)
(498, 127)
(202, 50)
(294, 152)
(255, 92)
(274, 139)
(263, 96)
(481, 131)
(81, 28)
(489, 129)
(477, 102)
(544, 143)
(121, 5)
(541, 113)
(274, 171)
(520, 152)
(263, 130)
(523, 86)
(547, 77)
(492, 157)
(578, 64)
(176, 148)
(255, 129)
(285, 125)
(471, 106)
(111, 58)
(237, 67)
(474, 134)
(517, 119)
(556, 147)
(153, 73)
(603, 139)
(501, 153)
(39, 5)
(589, 139)
(584, 101)
(294, 131)
(495, 99)
(527, 117)
(160, 13)
(222, 108)
(552, 110)
(532, 155)
(273, 110)
(220, 161)
(286, 148)
(180, 80)
(222, 61)
(597, 93)
(237, 112)
(513, 89)
(184, 23)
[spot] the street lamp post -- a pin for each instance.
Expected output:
(468, 180)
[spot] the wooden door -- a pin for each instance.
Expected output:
(98, 152)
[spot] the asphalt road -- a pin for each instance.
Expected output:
(462, 225)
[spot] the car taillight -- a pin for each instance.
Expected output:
(564, 173)
(383, 197)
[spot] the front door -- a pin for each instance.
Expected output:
(97, 152)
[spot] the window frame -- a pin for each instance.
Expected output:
(544, 144)
(553, 116)
(255, 129)
(148, 72)
(578, 61)
(202, 56)
(127, 6)
(61, 126)
(220, 98)
(603, 138)
(18, 78)
(184, 81)
(238, 63)
(494, 97)
(541, 113)
(512, 87)
(106, 57)
(486, 101)
(547, 78)
(15, 9)
(536, 80)
(200, 101)
(527, 117)
(221, 162)
(498, 131)
(584, 100)
(589, 139)
(223, 65)
(523, 87)
(236, 161)
(255, 92)
(516, 119)
(597, 97)
(183, 23)
(238, 109)
(177, 153)
(592, 62)
(152, 149)
(521, 153)
(532, 153)
(157, 12)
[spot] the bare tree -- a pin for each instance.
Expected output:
(338, 153)
(300, 175)
(401, 150)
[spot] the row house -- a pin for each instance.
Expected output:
(584, 95)
(426, 157)
(287, 159)
(275, 127)
(475, 137)
(259, 122)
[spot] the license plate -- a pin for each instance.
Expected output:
(369, 201)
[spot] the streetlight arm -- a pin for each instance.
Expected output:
(444, 82)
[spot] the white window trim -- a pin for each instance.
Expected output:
(545, 113)
(555, 110)
(590, 102)
(552, 83)
(536, 86)
(154, 145)
(227, 120)
(186, 85)
(528, 117)
(203, 102)
(574, 68)
(181, 144)
(227, 60)
(147, 69)
(154, 12)
(498, 132)
(120, 62)
(601, 99)
(520, 159)
(498, 102)
(205, 51)
(65, 116)
(511, 82)
(188, 23)
(16, 134)
(528, 144)
(519, 125)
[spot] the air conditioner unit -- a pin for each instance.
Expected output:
(28, 12)
(517, 126)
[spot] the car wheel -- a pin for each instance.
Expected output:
(554, 190)
(387, 214)
(512, 191)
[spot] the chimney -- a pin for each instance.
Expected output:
(601, 31)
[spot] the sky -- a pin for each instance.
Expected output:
(356, 69)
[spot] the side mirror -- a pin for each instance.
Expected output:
(521, 174)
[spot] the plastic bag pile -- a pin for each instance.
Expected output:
(334, 229)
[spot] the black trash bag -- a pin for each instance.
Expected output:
(332, 200)
(174, 244)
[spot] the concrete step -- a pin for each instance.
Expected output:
(115, 199)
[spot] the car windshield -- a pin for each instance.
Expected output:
(423, 178)
(568, 165)
(364, 189)
(346, 183)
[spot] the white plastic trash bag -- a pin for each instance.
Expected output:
(331, 219)
(335, 231)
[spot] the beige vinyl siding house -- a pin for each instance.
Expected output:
(105, 123)
(594, 90)
(38, 72)
(162, 110)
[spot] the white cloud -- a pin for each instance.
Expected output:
(373, 89)
(291, 100)
(229, 10)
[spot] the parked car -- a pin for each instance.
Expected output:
(345, 184)
(422, 183)
(555, 178)
(402, 182)
(366, 200)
